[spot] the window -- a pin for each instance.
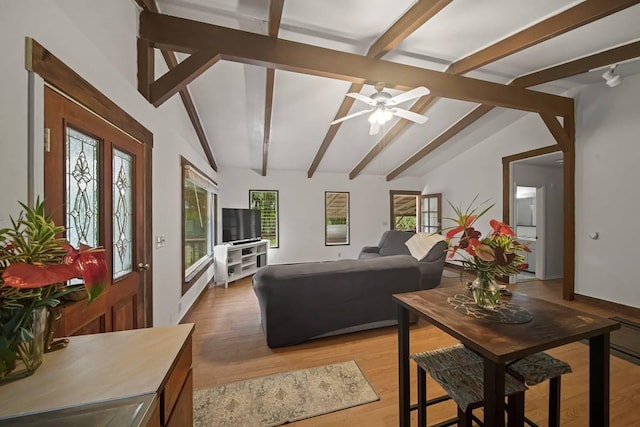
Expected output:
(431, 212)
(404, 210)
(336, 218)
(199, 197)
(267, 202)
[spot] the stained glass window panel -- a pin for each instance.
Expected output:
(82, 206)
(122, 213)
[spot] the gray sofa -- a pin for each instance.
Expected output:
(299, 302)
(392, 243)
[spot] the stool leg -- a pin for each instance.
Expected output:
(465, 417)
(515, 409)
(422, 397)
(554, 402)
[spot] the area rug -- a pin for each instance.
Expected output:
(625, 342)
(281, 398)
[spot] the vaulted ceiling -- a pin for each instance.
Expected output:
(268, 106)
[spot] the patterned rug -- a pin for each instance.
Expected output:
(281, 398)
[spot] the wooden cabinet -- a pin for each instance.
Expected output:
(109, 370)
(233, 262)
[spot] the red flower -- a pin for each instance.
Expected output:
(88, 264)
(464, 222)
(501, 228)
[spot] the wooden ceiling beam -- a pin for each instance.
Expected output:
(457, 127)
(557, 131)
(570, 19)
(172, 61)
(575, 17)
(181, 75)
(275, 16)
(413, 19)
(568, 69)
(579, 66)
(167, 32)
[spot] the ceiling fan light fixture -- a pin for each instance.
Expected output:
(380, 116)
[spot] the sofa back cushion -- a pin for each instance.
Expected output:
(393, 242)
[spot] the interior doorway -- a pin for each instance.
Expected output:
(536, 204)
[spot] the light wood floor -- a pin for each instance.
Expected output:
(229, 346)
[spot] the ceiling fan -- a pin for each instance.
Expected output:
(383, 107)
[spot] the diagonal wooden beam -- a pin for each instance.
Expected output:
(458, 127)
(268, 109)
(173, 33)
(187, 101)
(568, 69)
(582, 14)
(413, 19)
(275, 16)
(181, 75)
(579, 66)
(570, 19)
(557, 131)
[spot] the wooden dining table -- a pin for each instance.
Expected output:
(550, 325)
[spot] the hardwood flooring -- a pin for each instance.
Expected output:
(229, 346)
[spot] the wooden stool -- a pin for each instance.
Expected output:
(460, 372)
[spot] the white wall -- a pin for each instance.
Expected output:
(301, 207)
(551, 179)
(478, 170)
(607, 194)
(98, 40)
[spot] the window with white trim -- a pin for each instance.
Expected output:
(199, 200)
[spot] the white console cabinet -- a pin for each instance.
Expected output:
(233, 262)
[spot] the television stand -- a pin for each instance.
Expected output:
(242, 242)
(235, 261)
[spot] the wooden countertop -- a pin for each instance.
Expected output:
(97, 368)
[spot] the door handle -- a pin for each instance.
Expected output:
(142, 266)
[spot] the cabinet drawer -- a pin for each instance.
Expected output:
(176, 381)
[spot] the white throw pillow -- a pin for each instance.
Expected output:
(421, 243)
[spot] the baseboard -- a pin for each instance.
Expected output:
(204, 288)
(609, 305)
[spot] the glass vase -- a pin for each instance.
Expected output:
(486, 293)
(21, 355)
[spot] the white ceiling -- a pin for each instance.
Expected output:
(230, 97)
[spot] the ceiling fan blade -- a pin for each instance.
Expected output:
(374, 129)
(413, 93)
(351, 116)
(362, 98)
(409, 115)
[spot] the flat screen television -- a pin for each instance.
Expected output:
(240, 225)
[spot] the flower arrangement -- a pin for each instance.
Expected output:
(34, 266)
(498, 254)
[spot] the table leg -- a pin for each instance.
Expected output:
(599, 380)
(404, 382)
(493, 393)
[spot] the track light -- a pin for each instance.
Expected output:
(612, 79)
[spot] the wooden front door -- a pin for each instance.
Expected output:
(94, 182)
